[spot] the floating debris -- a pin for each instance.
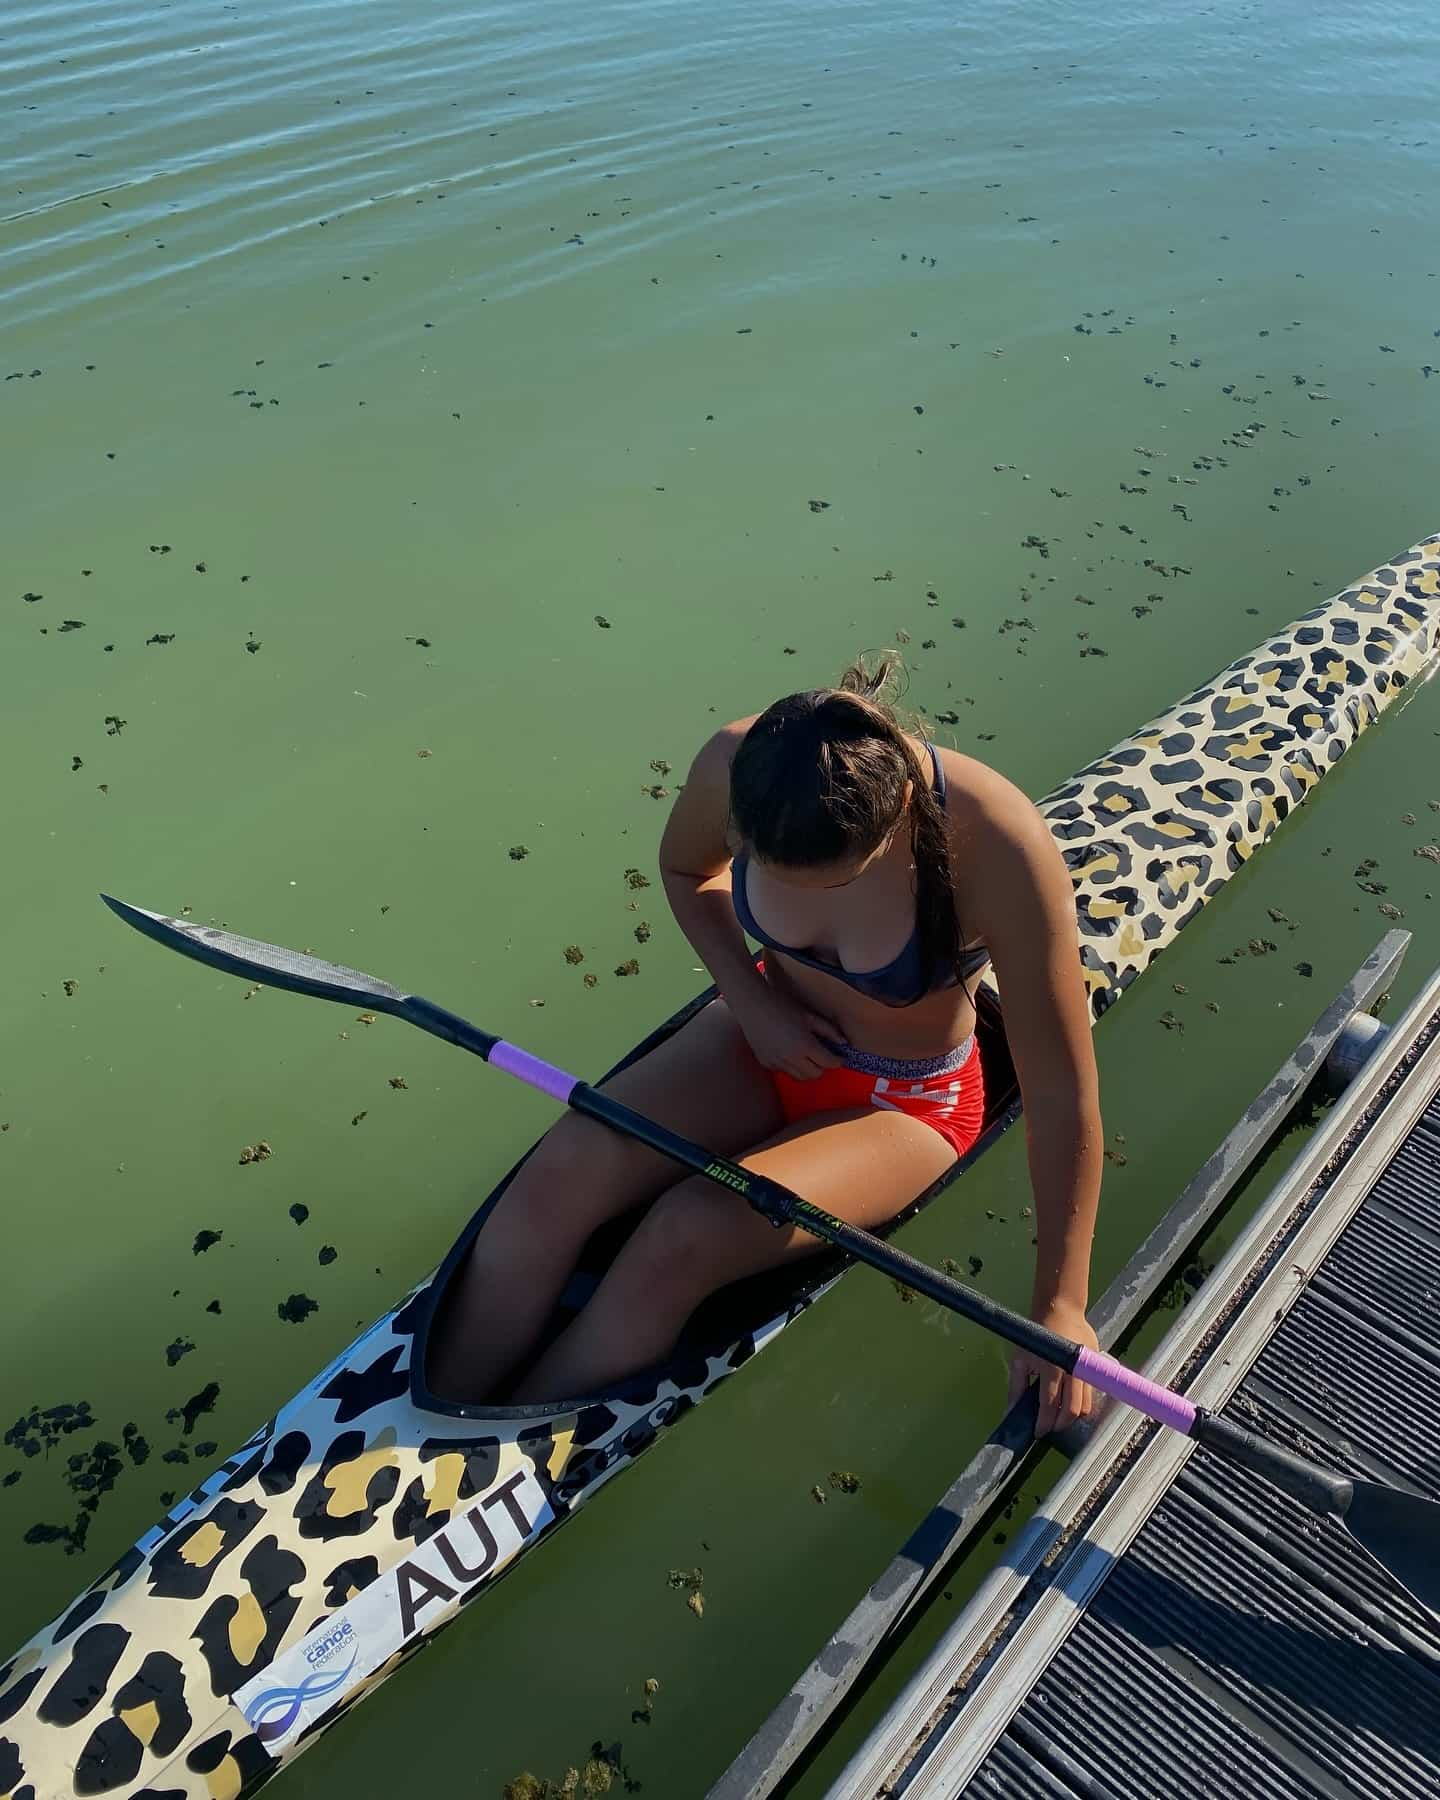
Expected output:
(634, 879)
(327, 1255)
(180, 1347)
(196, 1406)
(844, 1482)
(819, 505)
(300, 1212)
(254, 1153)
(629, 967)
(692, 1580)
(602, 622)
(518, 852)
(398, 1081)
(69, 987)
(297, 1308)
(204, 1240)
(591, 980)
(359, 1116)
(642, 933)
(574, 954)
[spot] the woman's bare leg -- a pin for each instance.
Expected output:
(864, 1166)
(703, 1083)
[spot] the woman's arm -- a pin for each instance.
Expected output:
(1024, 902)
(695, 867)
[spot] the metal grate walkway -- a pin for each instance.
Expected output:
(1223, 1641)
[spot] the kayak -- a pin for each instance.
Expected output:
(369, 1510)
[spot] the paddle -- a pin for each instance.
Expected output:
(1401, 1531)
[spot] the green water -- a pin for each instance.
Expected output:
(468, 327)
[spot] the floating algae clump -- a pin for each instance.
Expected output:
(597, 1777)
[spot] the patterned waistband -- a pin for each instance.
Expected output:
(896, 1068)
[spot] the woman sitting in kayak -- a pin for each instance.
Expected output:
(882, 875)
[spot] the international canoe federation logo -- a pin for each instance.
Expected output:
(275, 1710)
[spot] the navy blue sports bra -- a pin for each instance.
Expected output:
(899, 983)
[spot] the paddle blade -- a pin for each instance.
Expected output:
(267, 963)
(1402, 1532)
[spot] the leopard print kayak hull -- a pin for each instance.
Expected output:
(366, 1514)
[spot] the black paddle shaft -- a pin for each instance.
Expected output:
(1400, 1530)
(302, 973)
(782, 1207)
(1312, 1486)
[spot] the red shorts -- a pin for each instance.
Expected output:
(947, 1092)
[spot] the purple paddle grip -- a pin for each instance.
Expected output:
(534, 1069)
(1148, 1397)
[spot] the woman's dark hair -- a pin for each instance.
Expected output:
(820, 778)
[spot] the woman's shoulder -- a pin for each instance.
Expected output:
(980, 800)
(717, 753)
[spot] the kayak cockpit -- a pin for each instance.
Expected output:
(726, 1325)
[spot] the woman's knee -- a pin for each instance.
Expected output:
(672, 1253)
(578, 1175)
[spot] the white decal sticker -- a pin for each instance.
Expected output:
(314, 1675)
